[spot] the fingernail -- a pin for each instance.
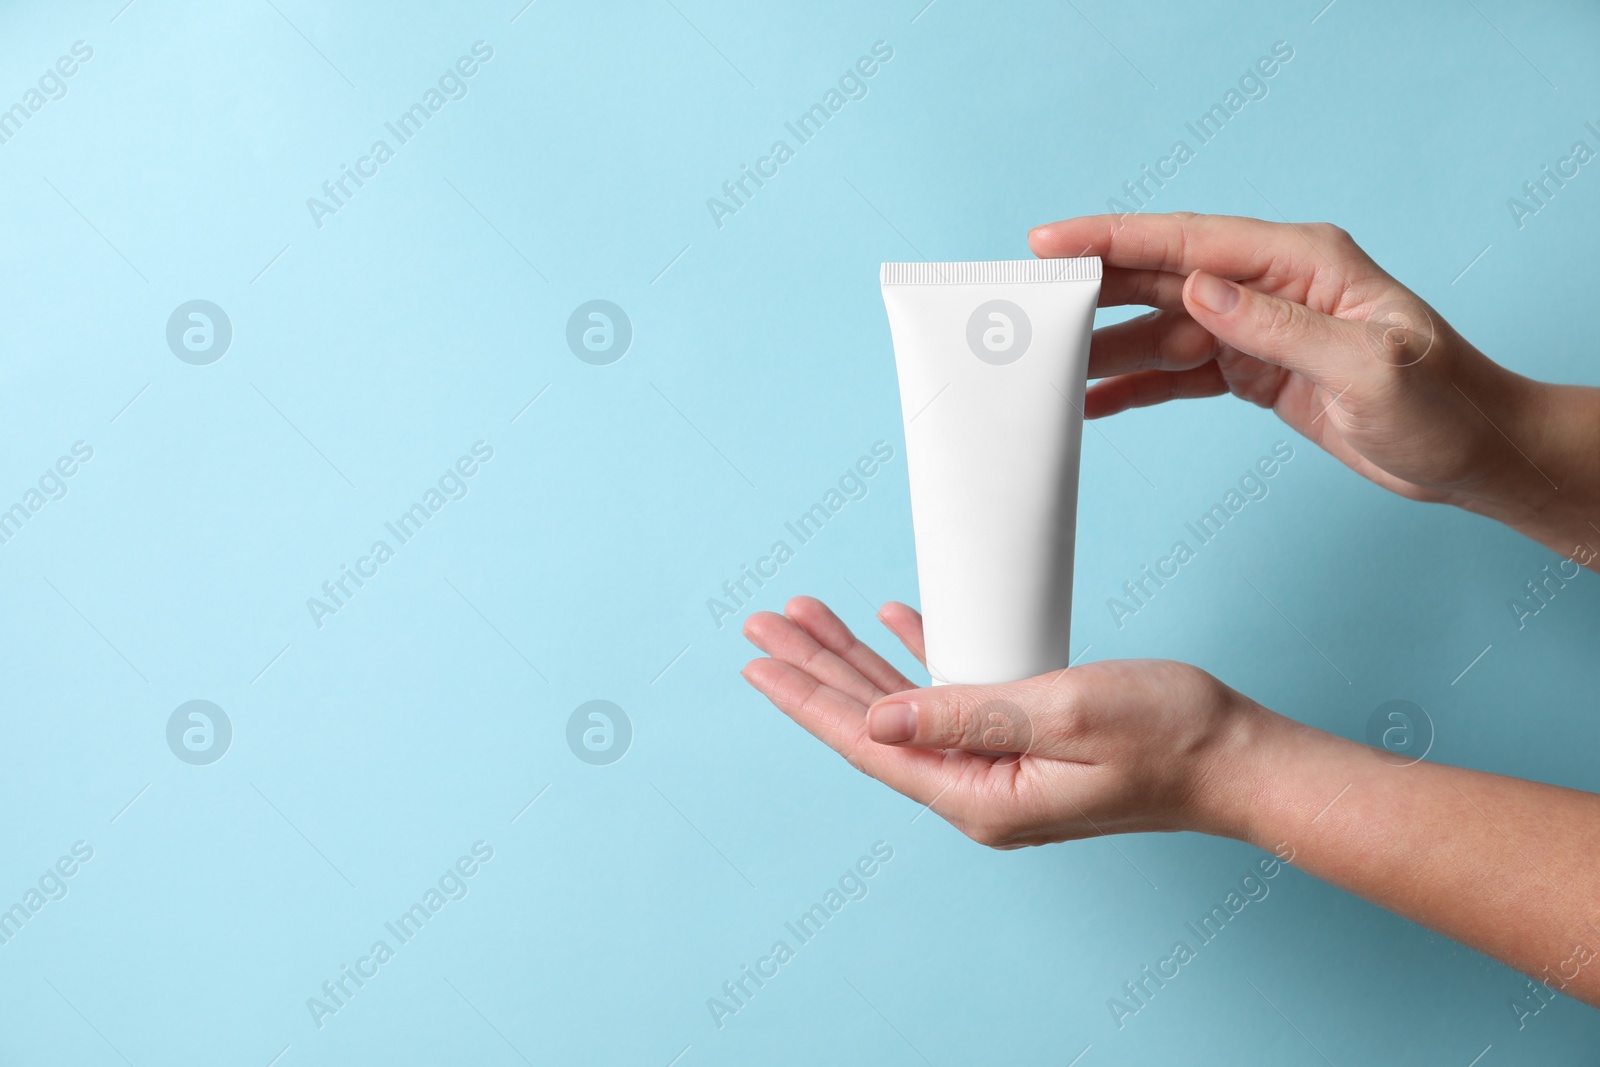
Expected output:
(890, 724)
(1214, 294)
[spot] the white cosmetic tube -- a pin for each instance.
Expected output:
(992, 360)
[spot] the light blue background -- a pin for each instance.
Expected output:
(371, 753)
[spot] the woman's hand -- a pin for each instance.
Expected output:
(1299, 319)
(1103, 748)
(1503, 865)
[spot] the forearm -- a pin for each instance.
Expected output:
(1506, 866)
(1549, 485)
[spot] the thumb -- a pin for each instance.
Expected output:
(1281, 332)
(974, 718)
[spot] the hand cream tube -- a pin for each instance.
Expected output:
(992, 359)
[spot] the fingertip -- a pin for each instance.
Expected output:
(1051, 240)
(892, 722)
(753, 671)
(1098, 403)
(1209, 294)
(902, 619)
(801, 605)
(757, 621)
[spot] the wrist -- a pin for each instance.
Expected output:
(1549, 487)
(1238, 783)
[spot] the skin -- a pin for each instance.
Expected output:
(1296, 318)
